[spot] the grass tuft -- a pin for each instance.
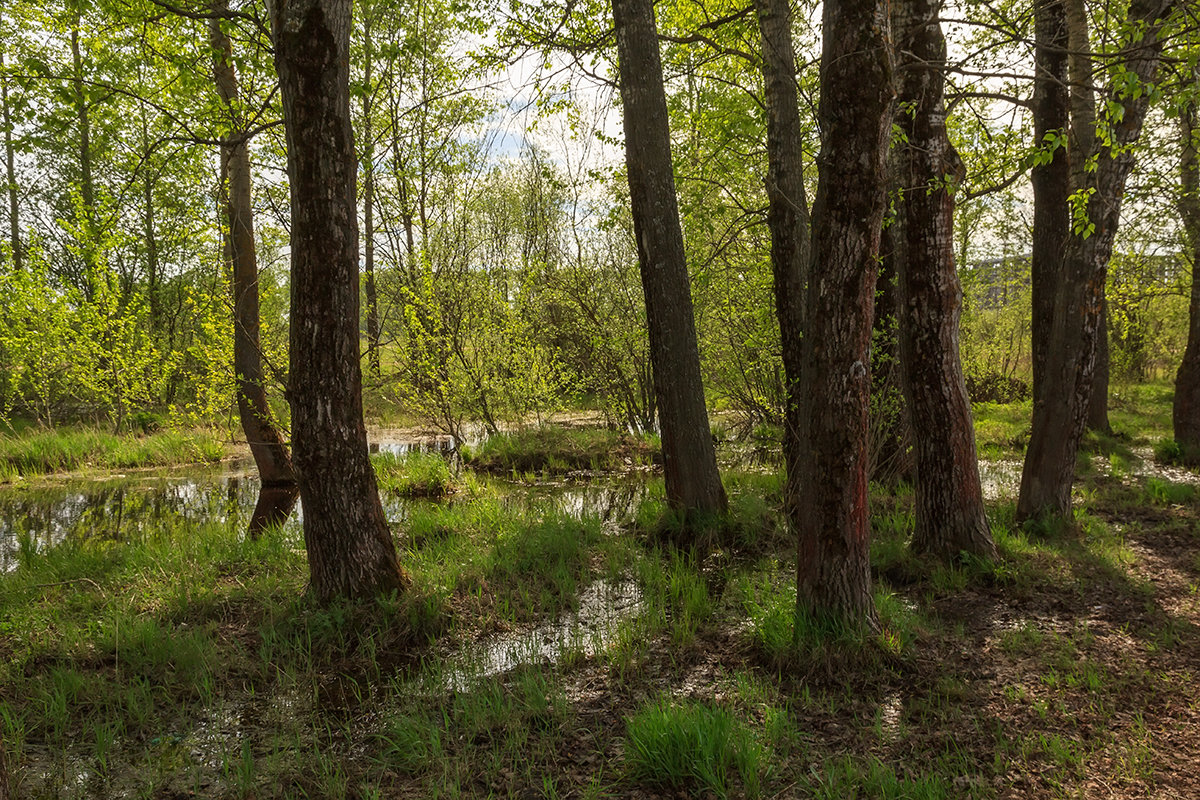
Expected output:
(691, 746)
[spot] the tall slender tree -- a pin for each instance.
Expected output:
(855, 115)
(1051, 174)
(950, 514)
(1060, 413)
(10, 172)
(787, 216)
(689, 458)
(350, 549)
(271, 455)
(1186, 409)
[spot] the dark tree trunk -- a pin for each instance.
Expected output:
(787, 217)
(10, 174)
(1051, 179)
(1060, 415)
(855, 115)
(1082, 144)
(950, 515)
(689, 458)
(1186, 411)
(267, 446)
(369, 205)
(350, 549)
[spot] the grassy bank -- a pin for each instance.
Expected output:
(549, 654)
(39, 452)
(555, 449)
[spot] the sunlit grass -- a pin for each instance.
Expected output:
(37, 452)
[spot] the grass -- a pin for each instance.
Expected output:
(692, 746)
(180, 658)
(39, 452)
(554, 450)
(414, 474)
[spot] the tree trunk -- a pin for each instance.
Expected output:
(87, 186)
(266, 444)
(1061, 414)
(689, 458)
(1051, 179)
(787, 218)
(855, 115)
(369, 205)
(950, 514)
(350, 549)
(10, 174)
(1186, 411)
(1082, 144)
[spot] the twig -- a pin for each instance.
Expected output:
(67, 583)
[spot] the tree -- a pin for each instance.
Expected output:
(1060, 413)
(350, 549)
(1051, 173)
(855, 114)
(1186, 409)
(266, 444)
(689, 458)
(787, 217)
(949, 499)
(10, 171)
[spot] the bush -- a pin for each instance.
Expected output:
(994, 387)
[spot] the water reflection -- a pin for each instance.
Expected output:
(603, 606)
(33, 519)
(273, 507)
(123, 508)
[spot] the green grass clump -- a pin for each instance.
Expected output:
(1001, 428)
(414, 474)
(46, 451)
(847, 778)
(551, 449)
(692, 746)
(1165, 493)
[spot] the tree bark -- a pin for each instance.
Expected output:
(949, 500)
(350, 549)
(855, 115)
(1061, 414)
(266, 444)
(1051, 180)
(1186, 410)
(10, 174)
(689, 458)
(1081, 145)
(787, 219)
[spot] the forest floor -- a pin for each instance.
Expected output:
(554, 647)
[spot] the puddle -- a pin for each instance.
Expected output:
(603, 606)
(438, 444)
(1000, 480)
(890, 713)
(36, 518)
